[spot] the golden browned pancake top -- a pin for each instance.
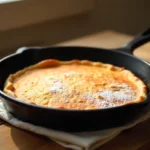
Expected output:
(77, 85)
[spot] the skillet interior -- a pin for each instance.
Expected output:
(72, 120)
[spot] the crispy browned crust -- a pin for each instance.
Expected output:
(9, 87)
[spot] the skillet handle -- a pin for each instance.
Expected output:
(137, 41)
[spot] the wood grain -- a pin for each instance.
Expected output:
(16, 139)
(131, 139)
(136, 138)
(110, 39)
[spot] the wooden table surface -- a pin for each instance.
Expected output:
(136, 138)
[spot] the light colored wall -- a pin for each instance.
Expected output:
(128, 16)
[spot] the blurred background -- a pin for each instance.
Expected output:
(48, 22)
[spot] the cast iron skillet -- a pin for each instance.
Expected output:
(75, 120)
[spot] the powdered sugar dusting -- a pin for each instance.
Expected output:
(56, 86)
(117, 95)
(106, 104)
(69, 74)
(114, 95)
(88, 96)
